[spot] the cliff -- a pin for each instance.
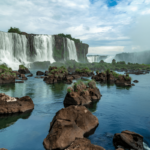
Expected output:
(60, 49)
(61, 53)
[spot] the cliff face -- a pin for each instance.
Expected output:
(61, 53)
(60, 49)
(137, 57)
(82, 50)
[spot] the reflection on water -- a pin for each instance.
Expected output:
(120, 108)
(7, 120)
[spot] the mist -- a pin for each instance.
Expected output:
(140, 34)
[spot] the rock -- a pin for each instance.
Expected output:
(23, 70)
(6, 75)
(135, 81)
(13, 105)
(16, 72)
(30, 75)
(68, 81)
(3, 149)
(133, 84)
(119, 149)
(83, 144)
(23, 77)
(19, 81)
(67, 125)
(39, 73)
(128, 140)
(82, 95)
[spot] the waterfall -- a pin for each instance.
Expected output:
(72, 50)
(43, 45)
(13, 49)
(95, 58)
(109, 59)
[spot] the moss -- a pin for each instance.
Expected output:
(22, 67)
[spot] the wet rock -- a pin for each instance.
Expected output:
(83, 144)
(23, 77)
(30, 75)
(23, 70)
(81, 94)
(135, 81)
(128, 140)
(39, 73)
(6, 75)
(19, 81)
(133, 84)
(67, 125)
(3, 149)
(10, 105)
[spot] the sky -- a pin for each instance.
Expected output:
(107, 26)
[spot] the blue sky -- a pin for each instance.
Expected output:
(108, 26)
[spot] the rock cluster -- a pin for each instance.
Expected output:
(110, 76)
(81, 94)
(10, 105)
(69, 124)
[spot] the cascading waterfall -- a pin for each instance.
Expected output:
(13, 49)
(43, 45)
(72, 50)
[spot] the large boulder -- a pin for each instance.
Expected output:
(23, 70)
(128, 140)
(83, 144)
(10, 105)
(68, 124)
(6, 75)
(81, 94)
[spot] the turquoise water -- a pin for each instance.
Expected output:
(119, 109)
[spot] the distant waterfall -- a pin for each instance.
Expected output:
(109, 59)
(13, 49)
(43, 45)
(72, 50)
(95, 58)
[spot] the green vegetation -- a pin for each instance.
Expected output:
(14, 30)
(6, 72)
(70, 37)
(84, 70)
(22, 67)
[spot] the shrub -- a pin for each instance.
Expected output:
(14, 30)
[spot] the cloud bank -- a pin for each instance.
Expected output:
(121, 25)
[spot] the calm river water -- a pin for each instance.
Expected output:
(119, 109)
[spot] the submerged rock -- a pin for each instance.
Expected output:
(67, 125)
(128, 140)
(83, 144)
(13, 105)
(135, 81)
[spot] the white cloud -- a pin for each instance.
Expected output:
(95, 23)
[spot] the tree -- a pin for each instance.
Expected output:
(14, 30)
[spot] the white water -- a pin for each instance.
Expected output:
(92, 59)
(13, 49)
(146, 146)
(72, 50)
(109, 59)
(44, 48)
